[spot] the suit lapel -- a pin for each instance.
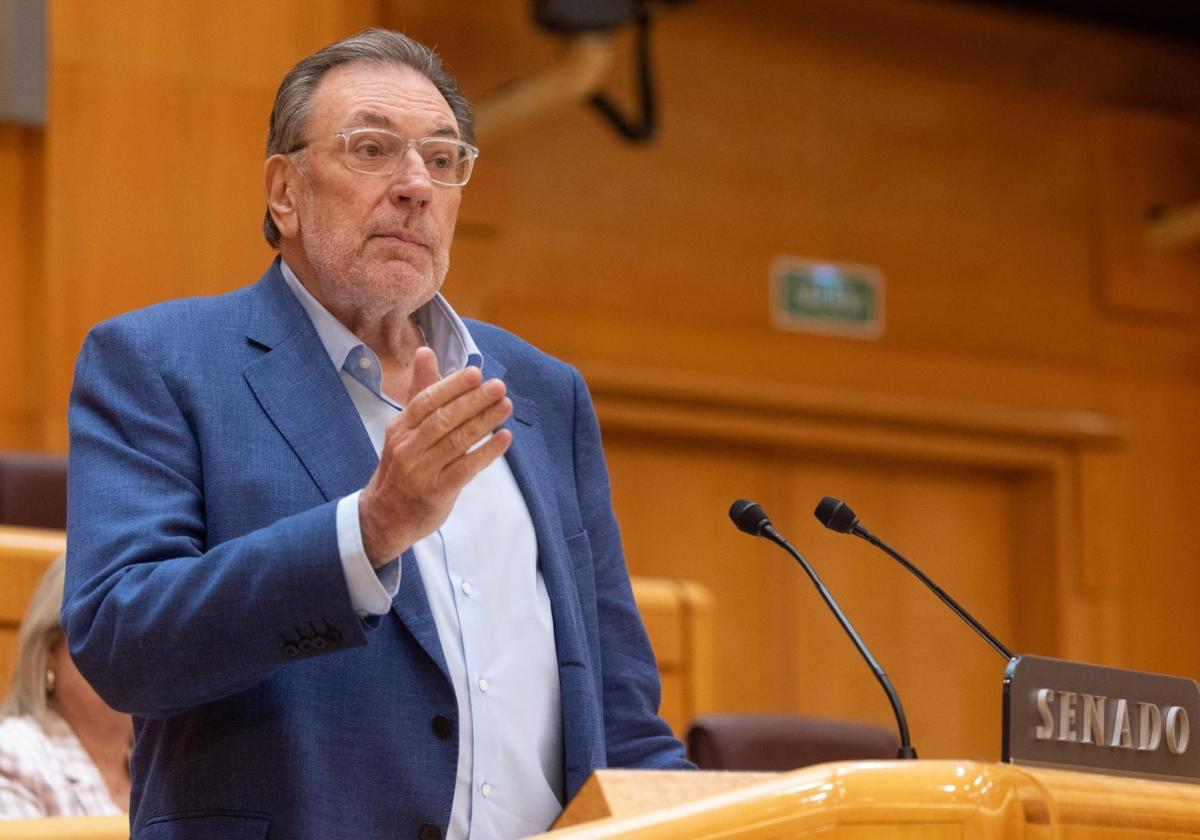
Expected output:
(302, 393)
(304, 396)
(306, 401)
(411, 604)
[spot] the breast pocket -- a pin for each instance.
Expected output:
(206, 825)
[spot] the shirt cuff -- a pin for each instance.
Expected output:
(371, 590)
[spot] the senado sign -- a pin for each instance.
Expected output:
(1088, 717)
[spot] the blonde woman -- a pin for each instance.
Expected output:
(63, 752)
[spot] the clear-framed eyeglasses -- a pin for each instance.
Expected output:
(377, 151)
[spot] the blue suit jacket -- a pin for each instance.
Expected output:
(210, 441)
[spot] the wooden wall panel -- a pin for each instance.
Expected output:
(958, 511)
(1145, 163)
(953, 147)
(965, 182)
(1147, 574)
(154, 147)
(672, 513)
(22, 359)
(955, 523)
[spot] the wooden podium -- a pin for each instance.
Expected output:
(881, 799)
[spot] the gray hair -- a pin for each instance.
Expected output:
(293, 100)
(40, 633)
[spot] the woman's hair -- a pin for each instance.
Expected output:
(40, 633)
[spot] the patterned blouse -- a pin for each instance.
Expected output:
(45, 772)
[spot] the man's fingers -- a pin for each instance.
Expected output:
(454, 412)
(462, 470)
(458, 441)
(439, 393)
(425, 370)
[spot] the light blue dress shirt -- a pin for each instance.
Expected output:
(488, 598)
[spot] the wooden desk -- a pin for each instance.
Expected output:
(917, 800)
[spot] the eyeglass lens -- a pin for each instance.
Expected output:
(380, 152)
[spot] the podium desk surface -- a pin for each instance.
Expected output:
(894, 799)
(115, 827)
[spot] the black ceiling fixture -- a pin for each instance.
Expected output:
(575, 17)
(1179, 19)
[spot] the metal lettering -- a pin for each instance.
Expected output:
(1066, 715)
(1093, 720)
(1149, 726)
(1121, 736)
(1091, 725)
(1178, 730)
(1045, 731)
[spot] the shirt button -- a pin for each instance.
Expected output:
(486, 789)
(483, 684)
(364, 362)
(466, 587)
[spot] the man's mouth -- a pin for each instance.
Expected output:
(402, 236)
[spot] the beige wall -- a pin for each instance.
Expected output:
(1027, 428)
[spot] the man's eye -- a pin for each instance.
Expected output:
(439, 162)
(369, 149)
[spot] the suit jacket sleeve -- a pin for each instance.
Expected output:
(157, 617)
(635, 736)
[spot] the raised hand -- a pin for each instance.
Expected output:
(429, 454)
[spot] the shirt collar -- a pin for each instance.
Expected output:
(444, 331)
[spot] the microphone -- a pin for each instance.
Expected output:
(836, 515)
(753, 520)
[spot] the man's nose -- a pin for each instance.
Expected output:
(411, 179)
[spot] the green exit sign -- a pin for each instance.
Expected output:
(824, 297)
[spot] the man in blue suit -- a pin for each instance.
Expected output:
(349, 560)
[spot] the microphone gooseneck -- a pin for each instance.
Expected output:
(753, 520)
(836, 515)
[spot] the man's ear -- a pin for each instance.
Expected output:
(282, 180)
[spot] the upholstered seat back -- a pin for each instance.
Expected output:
(783, 742)
(33, 490)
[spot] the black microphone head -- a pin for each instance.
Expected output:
(749, 517)
(835, 515)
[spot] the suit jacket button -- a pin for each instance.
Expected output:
(429, 831)
(442, 726)
(290, 650)
(333, 636)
